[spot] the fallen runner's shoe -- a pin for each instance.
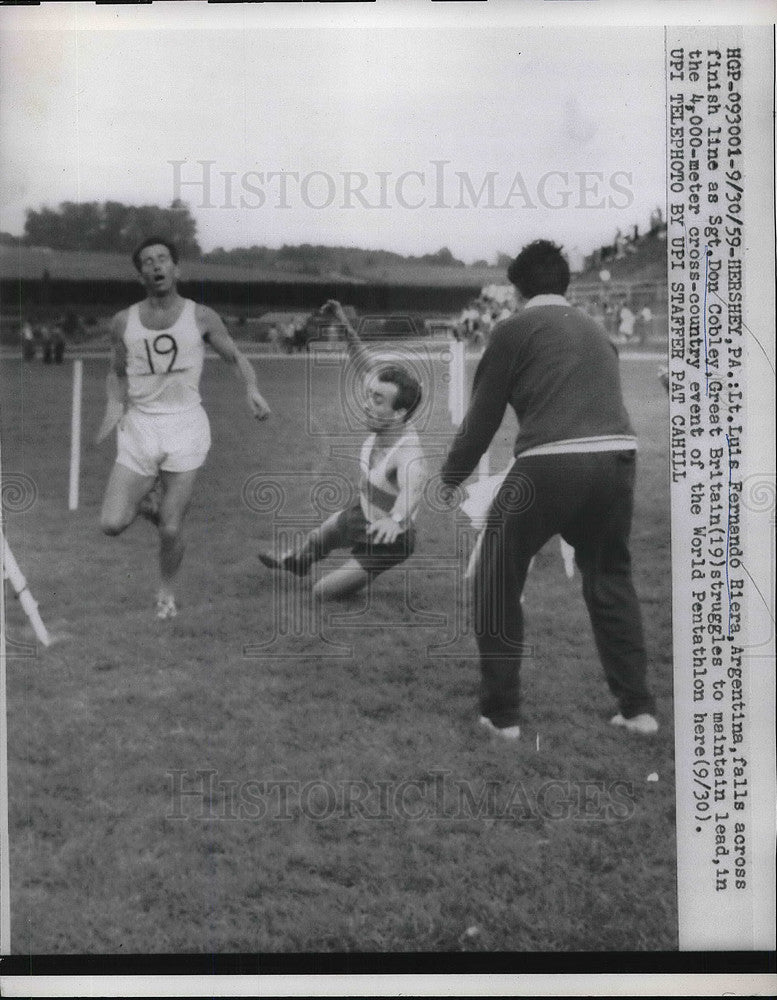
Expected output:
(644, 724)
(290, 563)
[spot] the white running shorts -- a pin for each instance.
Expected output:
(171, 442)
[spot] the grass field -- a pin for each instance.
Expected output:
(393, 824)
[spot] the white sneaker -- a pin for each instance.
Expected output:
(644, 724)
(165, 607)
(506, 732)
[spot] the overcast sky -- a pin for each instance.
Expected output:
(406, 137)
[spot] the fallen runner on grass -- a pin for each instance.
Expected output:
(379, 530)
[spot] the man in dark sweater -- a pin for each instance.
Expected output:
(573, 475)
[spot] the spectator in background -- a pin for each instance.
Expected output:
(482, 327)
(610, 318)
(288, 334)
(305, 332)
(645, 324)
(71, 325)
(468, 320)
(626, 323)
(44, 335)
(57, 344)
(274, 338)
(598, 313)
(28, 341)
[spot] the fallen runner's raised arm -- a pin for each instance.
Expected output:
(358, 353)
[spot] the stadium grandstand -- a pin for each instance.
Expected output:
(630, 271)
(82, 289)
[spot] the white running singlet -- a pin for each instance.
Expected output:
(164, 366)
(378, 492)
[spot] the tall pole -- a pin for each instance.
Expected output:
(75, 434)
(457, 395)
(5, 886)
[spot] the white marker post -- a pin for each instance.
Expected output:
(456, 376)
(457, 396)
(75, 434)
(5, 868)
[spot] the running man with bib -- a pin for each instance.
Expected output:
(379, 529)
(158, 348)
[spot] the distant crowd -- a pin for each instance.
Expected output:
(622, 324)
(479, 317)
(291, 336)
(46, 339)
(473, 326)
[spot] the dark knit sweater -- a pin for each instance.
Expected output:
(557, 369)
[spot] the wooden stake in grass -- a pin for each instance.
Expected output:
(75, 434)
(27, 601)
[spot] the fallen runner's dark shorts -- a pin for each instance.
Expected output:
(375, 558)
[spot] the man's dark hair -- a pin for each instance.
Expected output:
(409, 390)
(153, 241)
(539, 269)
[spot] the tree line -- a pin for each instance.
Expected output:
(110, 226)
(113, 227)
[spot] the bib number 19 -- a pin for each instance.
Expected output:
(161, 347)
